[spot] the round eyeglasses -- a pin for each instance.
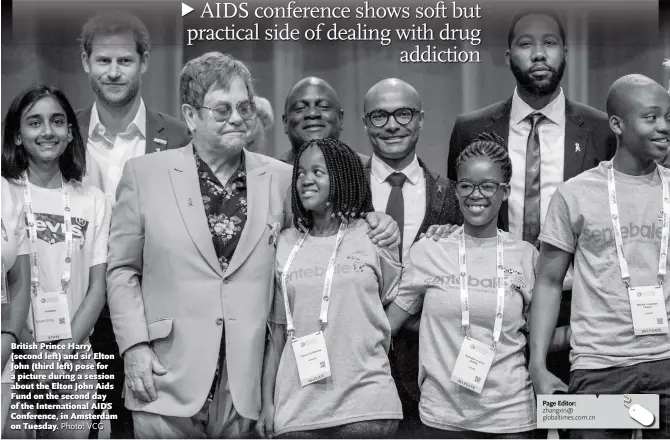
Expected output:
(380, 118)
(488, 188)
(222, 113)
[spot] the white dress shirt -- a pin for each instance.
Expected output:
(552, 145)
(552, 159)
(413, 192)
(105, 159)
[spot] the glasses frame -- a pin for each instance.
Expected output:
(393, 113)
(477, 186)
(237, 107)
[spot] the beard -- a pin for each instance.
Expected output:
(125, 97)
(537, 87)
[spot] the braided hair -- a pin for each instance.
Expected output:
(493, 147)
(350, 194)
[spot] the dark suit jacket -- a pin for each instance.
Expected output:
(441, 209)
(588, 138)
(160, 127)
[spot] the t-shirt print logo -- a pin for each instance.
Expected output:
(51, 228)
(358, 266)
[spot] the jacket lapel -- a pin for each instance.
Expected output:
(83, 120)
(156, 139)
(576, 141)
(185, 184)
(258, 204)
(434, 199)
(500, 125)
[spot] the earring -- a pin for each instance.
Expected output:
(327, 204)
(17, 141)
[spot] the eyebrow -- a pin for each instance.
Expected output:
(39, 115)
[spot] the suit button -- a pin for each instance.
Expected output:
(219, 321)
(226, 281)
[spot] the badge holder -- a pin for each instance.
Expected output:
(473, 364)
(4, 299)
(311, 357)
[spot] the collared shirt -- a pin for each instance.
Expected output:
(413, 192)
(552, 146)
(226, 212)
(106, 158)
(552, 160)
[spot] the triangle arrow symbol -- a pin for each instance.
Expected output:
(185, 9)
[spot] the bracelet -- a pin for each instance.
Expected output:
(12, 334)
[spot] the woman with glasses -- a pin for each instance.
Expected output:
(333, 379)
(475, 288)
(44, 160)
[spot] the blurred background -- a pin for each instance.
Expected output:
(606, 40)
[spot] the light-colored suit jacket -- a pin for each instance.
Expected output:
(165, 285)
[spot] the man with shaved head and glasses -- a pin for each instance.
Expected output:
(416, 198)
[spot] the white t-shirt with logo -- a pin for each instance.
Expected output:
(579, 222)
(90, 212)
(358, 334)
(431, 284)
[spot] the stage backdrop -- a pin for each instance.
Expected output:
(605, 40)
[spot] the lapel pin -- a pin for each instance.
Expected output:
(160, 141)
(190, 202)
(577, 149)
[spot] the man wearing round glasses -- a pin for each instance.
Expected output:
(414, 196)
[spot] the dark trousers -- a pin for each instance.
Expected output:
(365, 429)
(644, 378)
(430, 432)
(404, 359)
(104, 341)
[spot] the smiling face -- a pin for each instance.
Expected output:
(394, 142)
(478, 209)
(313, 183)
(312, 112)
(44, 131)
(115, 68)
(645, 128)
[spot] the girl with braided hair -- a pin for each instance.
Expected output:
(475, 288)
(334, 378)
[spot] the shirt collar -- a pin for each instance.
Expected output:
(139, 122)
(381, 170)
(554, 111)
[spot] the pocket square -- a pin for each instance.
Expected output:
(275, 230)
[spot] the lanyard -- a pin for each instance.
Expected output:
(500, 285)
(32, 230)
(325, 300)
(614, 210)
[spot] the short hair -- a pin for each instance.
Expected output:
(350, 193)
(212, 69)
(491, 146)
(517, 18)
(72, 162)
(620, 90)
(114, 23)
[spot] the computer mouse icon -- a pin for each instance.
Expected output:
(641, 415)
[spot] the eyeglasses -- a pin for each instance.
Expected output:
(380, 118)
(488, 188)
(222, 113)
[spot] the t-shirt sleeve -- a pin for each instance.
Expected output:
(557, 229)
(277, 310)
(412, 287)
(391, 269)
(103, 215)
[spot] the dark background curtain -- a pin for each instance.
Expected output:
(606, 40)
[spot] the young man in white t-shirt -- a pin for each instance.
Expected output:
(614, 351)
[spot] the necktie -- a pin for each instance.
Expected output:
(395, 207)
(531, 205)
